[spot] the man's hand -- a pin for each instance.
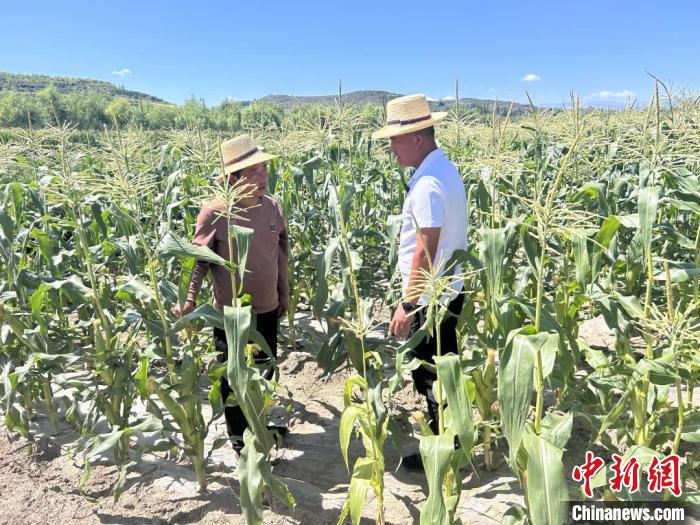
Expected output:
(400, 324)
(282, 309)
(186, 309)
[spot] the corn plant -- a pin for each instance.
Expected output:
(573, 214)
(370, 415)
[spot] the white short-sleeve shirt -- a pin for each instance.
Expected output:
(436, 198)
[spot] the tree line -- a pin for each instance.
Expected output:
(93, 110)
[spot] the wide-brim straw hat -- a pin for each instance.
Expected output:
(241, 152)
(406, 115)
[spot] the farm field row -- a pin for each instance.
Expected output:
(580, 217)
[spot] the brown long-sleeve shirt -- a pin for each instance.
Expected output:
(265, 277)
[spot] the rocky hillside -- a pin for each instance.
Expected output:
(35, 83)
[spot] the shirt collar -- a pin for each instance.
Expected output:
(434, 155)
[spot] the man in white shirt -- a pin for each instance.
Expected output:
(433, 225)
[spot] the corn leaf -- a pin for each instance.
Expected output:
(691, 429)
(458, 413)
(515, 383)
(251, 479)
(244, 237)
(531, 246)
(347, 425)
(514, 516)
(174, 246)
(359, 485)
(494, 244)
(648, 202)
(557, 428)
(547, 494)
(323, 267)
(660, 370)
(244, 380)
(436, 452)
(579, 242)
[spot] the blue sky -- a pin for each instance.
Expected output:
(245, 50)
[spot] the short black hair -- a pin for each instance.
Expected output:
(428, 133)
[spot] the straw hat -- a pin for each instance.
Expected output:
(406, 115)
(241, 152)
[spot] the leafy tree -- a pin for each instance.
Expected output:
(159, 116)
(262, 114)
(226, 116)
(195, 113)
(52, 105)
(88, 110)
(120, 111)
(18, 110)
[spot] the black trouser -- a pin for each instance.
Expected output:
(266, 324)
(427, 348)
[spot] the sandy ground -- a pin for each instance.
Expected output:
(44, 487)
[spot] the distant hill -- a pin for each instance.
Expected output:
(67, 85)
(354, 97)
(382, 97)
(35, 83)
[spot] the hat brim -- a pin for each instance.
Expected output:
(395, 130)
(254, 159)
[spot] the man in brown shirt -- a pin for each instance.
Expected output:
(266, 267)
(265, 277)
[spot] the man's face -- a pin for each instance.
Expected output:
(255, 177)
(405, 148)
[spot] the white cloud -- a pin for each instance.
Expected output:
(530, 77)
(122, 72)
(607, 95)
(448, 98)
(431, 99)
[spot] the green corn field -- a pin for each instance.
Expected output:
(574, 215)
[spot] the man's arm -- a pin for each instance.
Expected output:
(423, 257)
(204, 234)
(199, 272)
(283, 272)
